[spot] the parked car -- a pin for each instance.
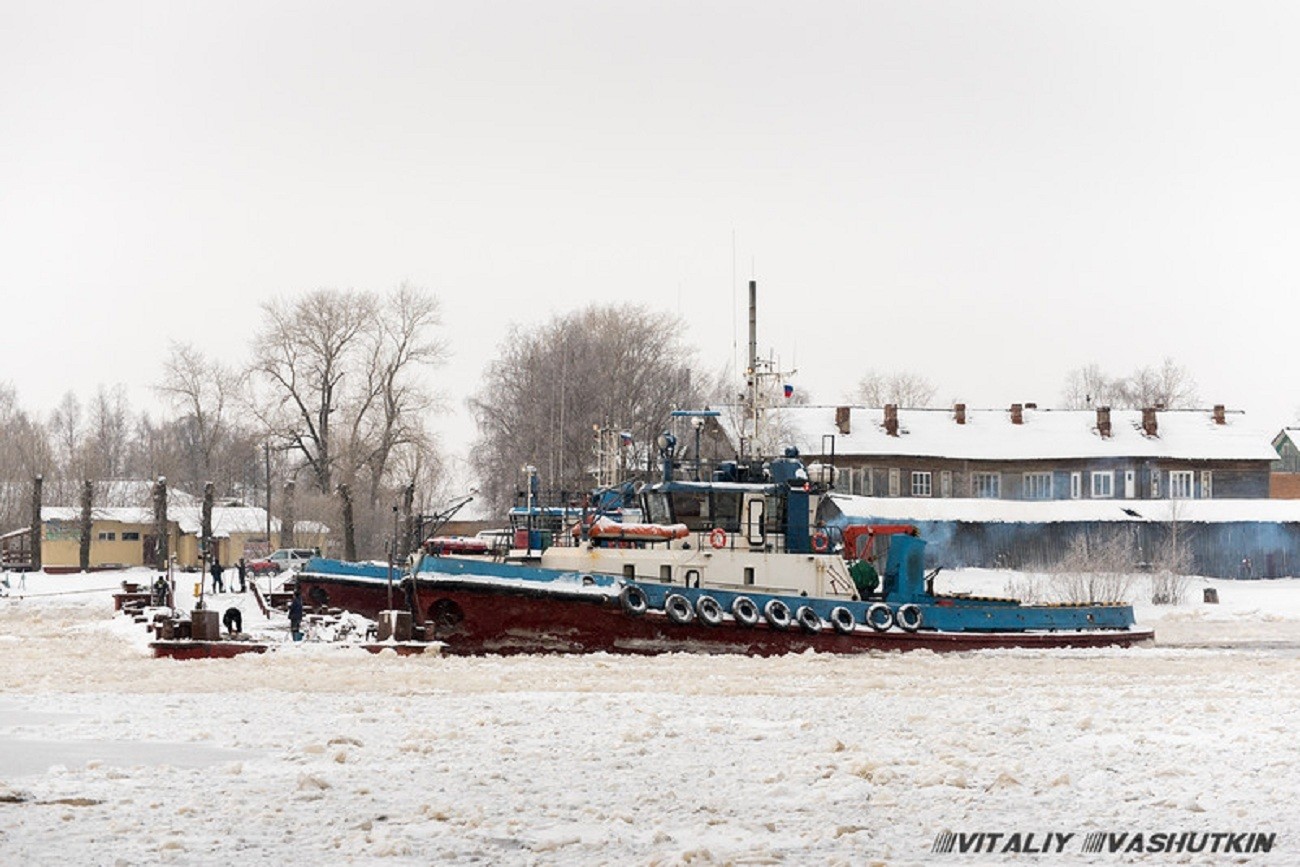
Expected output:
(280, 560)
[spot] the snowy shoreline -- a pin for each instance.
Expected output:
(340, 756)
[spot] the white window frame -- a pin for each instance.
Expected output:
(986, 486)
(1207, 484)
(1103, 484)
(922, 483)
(1155, 484)
(945, 483)
(1030, 482)
(1182, 485)
(1076, 485)
(895, 485)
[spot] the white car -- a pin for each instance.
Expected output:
(281, 560)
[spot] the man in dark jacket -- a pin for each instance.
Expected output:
(217, 586)
(295, 615)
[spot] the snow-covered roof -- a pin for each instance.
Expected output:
(226, 520)
(1055, 511)
(1045, 434)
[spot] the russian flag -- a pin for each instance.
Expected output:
(789, 389)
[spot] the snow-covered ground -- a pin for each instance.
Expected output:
(323, 754)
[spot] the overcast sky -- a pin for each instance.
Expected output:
(988, 194)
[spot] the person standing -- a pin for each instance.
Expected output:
(217, 585)
(295, 615)
(243, 575)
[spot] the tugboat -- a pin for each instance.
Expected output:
(751, 561)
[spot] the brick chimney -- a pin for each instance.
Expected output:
(891, 419)
(1219, 416)
(842, 420)
(959, 411)
(1017, 414)
(1103, 421)
(1149, 422)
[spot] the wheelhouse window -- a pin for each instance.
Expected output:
(1076, 486)
(726, 509)
(1103, 484)
(922, 484)
(1038, 486)
(986, 486)
(657, 510)
(1180, 485)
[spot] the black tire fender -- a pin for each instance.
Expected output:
(880, 617)
(709, 611)
(633, 600)
(679, 609)
(745, 611)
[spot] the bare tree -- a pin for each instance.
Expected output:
(303, 351)
(203, 392)
(901, 388)
(601, 366)
(24, 452)
(341, 375)
(1089, 386)
(1169, 386)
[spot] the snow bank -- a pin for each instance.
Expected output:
(337, 756)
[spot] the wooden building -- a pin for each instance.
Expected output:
(1019, 487)
(1024, 453)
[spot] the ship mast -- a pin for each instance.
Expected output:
(756, 373)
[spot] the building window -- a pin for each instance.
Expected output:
(1180, 485)
(1038, 486)
(130, 536)
(868, 483)
(921, 484)
(1076, 485)
(894, 483)
(1155, 484)
(986, 486)
(108, 537)
(945, 483)
(1207, 484)
(1103, 484)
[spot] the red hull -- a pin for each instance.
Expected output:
(204, 649)
(473, 618)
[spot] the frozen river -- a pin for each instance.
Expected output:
(328, 755)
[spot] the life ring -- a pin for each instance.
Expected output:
(880, 617)
(678, 608)
(745, 611)
(777, 614)
(808, 619)
(821, 542)
(842, 620)
(718, 537)
(908, 617)
(709, 611)
(633, 600)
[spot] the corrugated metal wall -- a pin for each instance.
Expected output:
(1216, 550)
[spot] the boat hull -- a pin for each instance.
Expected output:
(489, 616)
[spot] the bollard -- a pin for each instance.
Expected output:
(206, 625)
(395, 625)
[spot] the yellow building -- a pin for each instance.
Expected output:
(123, 536)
